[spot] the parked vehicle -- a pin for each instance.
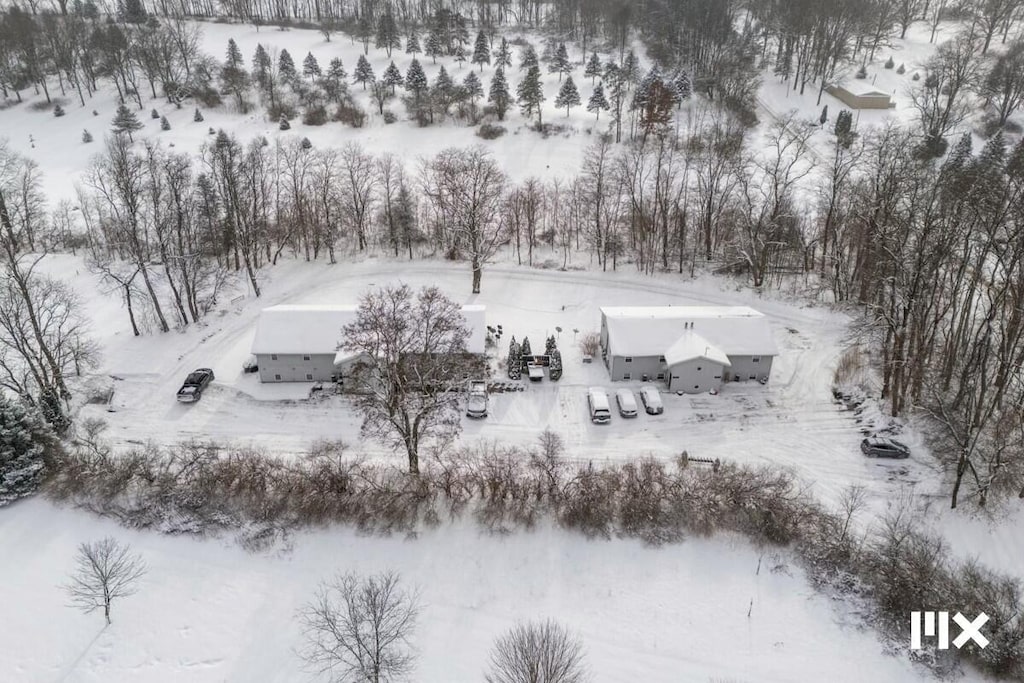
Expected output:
(651, 399)
(881, 447)
(250, 365)
(626, 402)
(600, 412)
(535, 372)
(476, 404)
(195, 384)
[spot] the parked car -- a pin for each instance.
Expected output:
(597, 400)
(535, 372)
(195, 384)
(626, 402)
(476, 404)
(651, 399)
(881, 447)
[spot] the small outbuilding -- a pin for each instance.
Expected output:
(302, 343)
(690, 348)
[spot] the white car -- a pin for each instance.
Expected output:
(627, 402)
(597, 401)
(476, 404)
(651, 399)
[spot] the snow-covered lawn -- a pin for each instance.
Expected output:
(210, 611)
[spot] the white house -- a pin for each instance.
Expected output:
(691, 348)
(302, 343)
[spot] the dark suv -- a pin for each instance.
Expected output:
(879, 447)
(195, 383)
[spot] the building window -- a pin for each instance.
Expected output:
(273, 356)
(661, 375)
(696, 387)
(305, 357)
(277, 378)
(718, 377)
(626, 377)
(753, 377)
(755, 359)
(661, 359)
(698, 368)
(627, 359)
(309, 376)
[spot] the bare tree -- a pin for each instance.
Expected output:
(104, 570)
(541, 652)
(358, 628)
(412, 351)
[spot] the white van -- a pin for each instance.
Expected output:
(600, 412)
(627, 402)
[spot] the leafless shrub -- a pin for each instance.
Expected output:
(104, 571)
(850, 370)
(537, 652)
(590, 344)
(358, 628)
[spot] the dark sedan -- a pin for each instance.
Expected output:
(878, 447)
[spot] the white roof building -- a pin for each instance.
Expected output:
(681, 333)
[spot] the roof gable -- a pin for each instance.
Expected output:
(653, 330)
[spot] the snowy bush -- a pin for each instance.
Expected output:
(390, 116)
(154, 114)
(889, 63)
(350, 113)
(901, 69)
(490, 131)
(315, 115)
(58, 111)
(284, 125)
(164, 123)
(198, 116)
(86, 136)
(590, 344)
(26, 443)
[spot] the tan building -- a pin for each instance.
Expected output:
(867, 99)
(690, 348)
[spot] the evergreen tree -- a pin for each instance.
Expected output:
(844, 127)
(334, 81)
(26, 444)
(234, 55)
(473, 87)
(514, 362)
(568, 96)
(525, 350)
(630, 70)
(412, 43)
(86, 137)
(644, 88)
(364, 31)
(434, 45)
(503, 58)
(364, 72)
(311, 67)
(459, 55)
(286, 67)
(388, 36)
(392, 77)
(530, 93)
(416, 80)
(444, 89)
(824, 115)
(527, 58)
(611, 70)
(593, 68)
(481, 51)
(597, 101)
(560, 63)
(198, 116)
(498, 95)
(164, 123)
(58, 111)
(284, 125)
(234, 79)
(306, 144)
(461, 30)
(261, 67)
(154, 114)
(132, 11)
(682, 85)
(126, 121)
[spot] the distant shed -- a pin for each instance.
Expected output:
(867, 99)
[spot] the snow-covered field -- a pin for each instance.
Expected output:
(210, 612)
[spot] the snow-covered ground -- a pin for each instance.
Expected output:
(207, 611)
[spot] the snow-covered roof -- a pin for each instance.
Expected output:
(316, 329)
(653, 330)
(690, 346)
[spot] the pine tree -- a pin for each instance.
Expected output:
(234, 55)
(461, 30)
(26, 443)
(198, 116)
(844, 128)
(514, 362)
(154, 114)
(412, 43)
(286, 67)
(525, 350)
(459, 55)
(86, 137)
(611, 70)
(306, 144)
(527, 58)
(58, 111)
(388, 36)
(481, 51)
(164, 123)
(593, 68)
(560, 63)
(568, 96)
(630, 70)
(434, 45)
(643, 89)
(126, 121)
(473, 87)
(334, 82)
(261, 67)
(392, 77)
(597, 101)
(530, 93)
(682, 85)
(234, 79)
(416, 80)
(364, 72)
(443, 89)
(284, 125)
(824, 115)
(311, 67)
(498, 95)
(503, 58)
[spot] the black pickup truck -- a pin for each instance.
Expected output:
(195, 384)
